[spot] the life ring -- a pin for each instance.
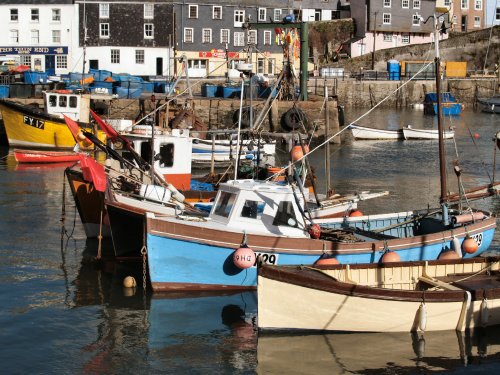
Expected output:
(245, 116)
(293, 119)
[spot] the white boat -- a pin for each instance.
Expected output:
(453, 294)
(361, 132)
(410, 133)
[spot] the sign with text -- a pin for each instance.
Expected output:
(218, 53)
(34, 50)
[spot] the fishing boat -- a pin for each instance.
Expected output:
(40, 156)
(410, 133)
(453, 294)
(28, 126)
(254, 222)
(490, 105)
(449, 104)
(366, 133)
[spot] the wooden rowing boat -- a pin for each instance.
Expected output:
(393, 297)
(38, 156)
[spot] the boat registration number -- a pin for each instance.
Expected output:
(265, 258)
(478, 238)
(36, 123)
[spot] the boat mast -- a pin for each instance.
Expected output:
(442, 155)
(84, 42)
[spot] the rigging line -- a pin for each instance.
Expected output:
(353, 122)
(477, 150)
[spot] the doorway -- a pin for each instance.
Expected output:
(159, 66)
(50, 65)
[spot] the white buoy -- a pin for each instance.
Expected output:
(455, 244)
(129, 282)
(422, 317)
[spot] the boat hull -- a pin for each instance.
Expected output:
(386, 298)
(364, 133)
(191, 256)
(410, 133)
(35, 156)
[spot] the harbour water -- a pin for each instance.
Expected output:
(63, 313)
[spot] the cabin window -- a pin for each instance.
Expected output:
(167, 155)
(252, 209)
(285, 215)
(63, 101)
(73, 101)
(224, 204)
(52, 100)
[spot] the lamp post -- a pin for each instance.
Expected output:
(374, 38)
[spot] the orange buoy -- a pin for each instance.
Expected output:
(476, 135)
(390, 257)
(448, 254)
(355, 213)
(244, 257)
(469, 245)
(315, 231)
(326, 261)
(297, 152)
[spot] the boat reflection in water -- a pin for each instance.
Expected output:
(399, 353)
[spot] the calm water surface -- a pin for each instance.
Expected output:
(62, 313)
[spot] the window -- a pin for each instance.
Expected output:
(149, 11)
(497, 14)
(139, 56)
(267, 38)
(104, 30)
(478, 4)
(277, 15)
(56, 36)
(239, 39)
(35, 15)
(115, 56)
(252, 209)
(386, 18)
(285, 215)
(217, 12)
(73, 101)
(405, 38)
(416, 4)
(56, 15)
(35, 36)
(193, 11)
(387, 3)
(271, 64)
(416, 20)
(387, 37)
(188, 35)
(52, 100)
(239, 18)
(405, 4)
(198, 64)
(263, 63)
(14, 15)
(62, 63)
(148, 31)
(224, 36)
(477, 21)
(14, 36)
(262, 14)
(167, 155)
(25, 60)
(464, 4)
(447, 3)
(104, 10)
(252, 36)
(260, 65)
(206, 35)
(63, 101)
(317, 14)
(224, 203)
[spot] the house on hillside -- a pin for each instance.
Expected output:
(468, 15)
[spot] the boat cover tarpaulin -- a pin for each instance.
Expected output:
(93, 172)
(446, 97)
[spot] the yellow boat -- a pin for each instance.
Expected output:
(29, 127)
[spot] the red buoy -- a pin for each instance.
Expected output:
(390, 257)
(449, 254)
(297, 152)
(244, 257)
(355, 213)
(469, 245)
(476, 135)
(326, 261)
(315, 231)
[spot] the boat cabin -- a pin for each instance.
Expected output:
(66, 102)
(172, 155)
(259, 207)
